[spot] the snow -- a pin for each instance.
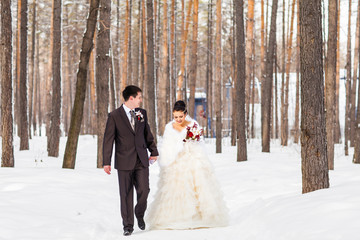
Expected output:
(40, 200)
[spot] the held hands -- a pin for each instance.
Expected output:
(152, 159)
(107, 169)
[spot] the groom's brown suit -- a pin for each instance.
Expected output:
(131, 160)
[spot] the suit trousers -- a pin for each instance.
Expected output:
(128, 179)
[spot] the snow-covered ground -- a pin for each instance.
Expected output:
(40, 200)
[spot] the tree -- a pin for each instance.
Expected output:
(283, 66)
(263, 44)
(348, 85)
(150, 73)
(7, 156)
(240, 81)
(54, 138)
(144, 60)
(331, 81)
(297, 104)
(193, 60)
(184, 35)
(125, 69)
(173, 54)
(285, 125)
(314, 166)
(77, 113)
(24, 124)
(102, 74)
(266, 87)
(249, 59)
(337, 131)
(218, 78)
(209, 71)
(232, 42)
(356, 158)
(354, 82)
(164, 73)
(32, 66)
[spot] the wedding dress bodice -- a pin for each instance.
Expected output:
(172, 143)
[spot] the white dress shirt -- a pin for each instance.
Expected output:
(127, 111)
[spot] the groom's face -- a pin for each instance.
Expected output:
(136, 101)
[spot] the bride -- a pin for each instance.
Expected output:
(188, 194)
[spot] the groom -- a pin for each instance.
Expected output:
(128, 127)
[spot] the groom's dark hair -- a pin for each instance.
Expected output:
(129, 91)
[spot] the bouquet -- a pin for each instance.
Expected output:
(193, 133)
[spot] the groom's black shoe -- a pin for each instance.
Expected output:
(128, 232)
(141, 223)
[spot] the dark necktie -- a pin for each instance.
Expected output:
(132, 119)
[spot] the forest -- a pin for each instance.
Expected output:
(247, 70)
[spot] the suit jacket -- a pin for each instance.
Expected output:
(129, 144)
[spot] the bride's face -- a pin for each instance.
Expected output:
(179, 117)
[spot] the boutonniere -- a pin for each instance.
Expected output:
(139, 116)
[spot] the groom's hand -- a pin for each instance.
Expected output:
(152, 159)
(107, 169)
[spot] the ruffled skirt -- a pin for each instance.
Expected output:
(188, 194)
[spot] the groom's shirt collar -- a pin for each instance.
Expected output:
(127, 111)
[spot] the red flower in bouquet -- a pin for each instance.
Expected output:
(193, 133)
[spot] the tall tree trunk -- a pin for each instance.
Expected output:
(240, 81)
(77, 113)
(354, 83)
(263, 45)
(253, 96)
(136, 58)
(150, 73)
(193, 60)
(348, 85)
(164, 73)
(125, 62)
(117, 56)
(331, 81)
(92, 83)
(276, 134)
(32, 67)
(102, 74)
(17, 70)
(337, 133)
(24, 124)
(173, 54)
(218, 77)
(283, 66)
(233, 76)
(7, 155)
(54, 138)
(356, 158)
(66, 71)
(184, 34)
(297, 107)
(144, 54)
(314, 164)
(37, 99)
(266, 87)
(130, 79)
(250, 60)
(112, 79)
(285, 131)
(209, 72)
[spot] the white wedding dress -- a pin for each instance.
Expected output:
(188, 194)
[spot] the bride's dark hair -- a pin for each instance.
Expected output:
(180, 106)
